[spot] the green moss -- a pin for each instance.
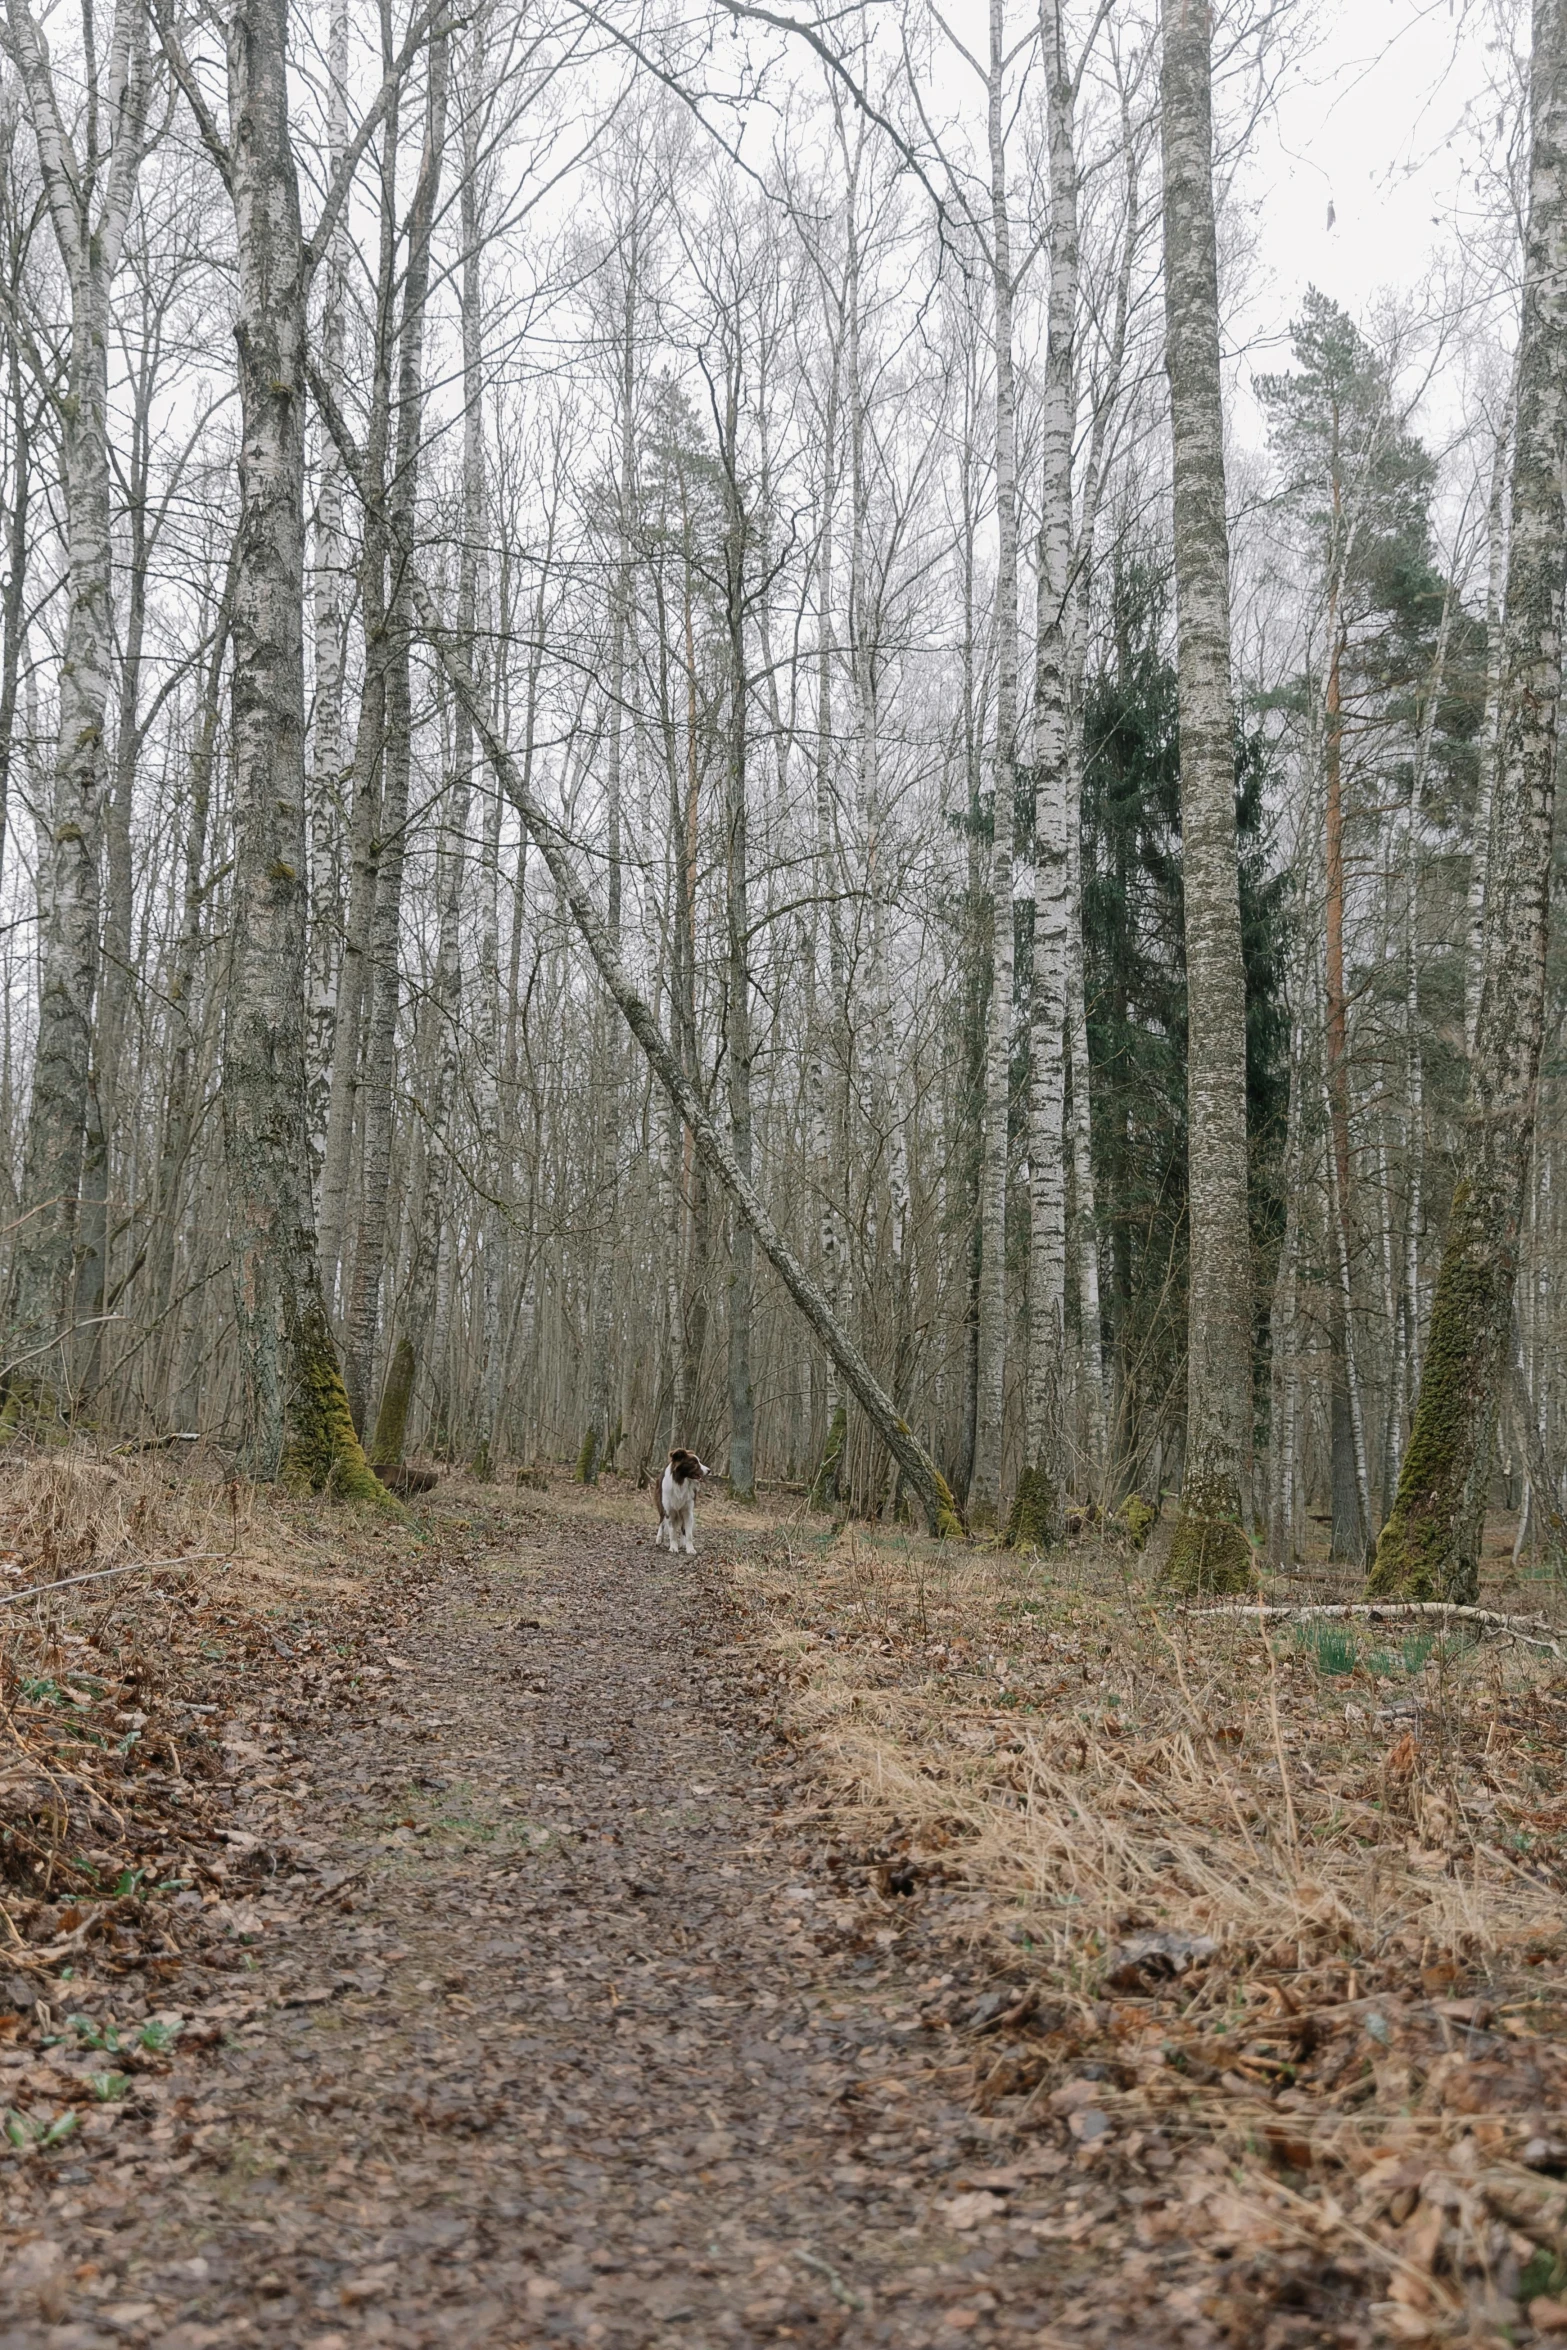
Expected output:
(1209, 1551)
(949, 1522)
(1427, 1549)
(1139, 1517)
(824, 1485)
(391, 1421)
(588, 1459)
(1036, 1519)
(321, 1453)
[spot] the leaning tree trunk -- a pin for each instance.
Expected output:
(299, 1412)
(1430, 1546)
(1210, 1550)
(921, 1471)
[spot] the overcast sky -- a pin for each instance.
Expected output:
(1385, 121)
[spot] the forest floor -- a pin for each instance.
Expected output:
(482, 1929)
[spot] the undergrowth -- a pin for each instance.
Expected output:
(1293, 1894)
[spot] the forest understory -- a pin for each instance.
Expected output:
(482, 1928)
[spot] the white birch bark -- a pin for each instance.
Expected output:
(326, 767)
(1039, 1513)
(362, 1323)
(298, 1412)
(89, 193)
(990, 1431)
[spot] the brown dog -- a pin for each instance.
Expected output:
(674, 1496)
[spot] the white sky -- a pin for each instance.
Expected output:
(1384, 121)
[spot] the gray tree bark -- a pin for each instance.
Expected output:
(89, 193)
(297, 1410)
(363, 1319)
(1210, 1550)
(1430, 1546)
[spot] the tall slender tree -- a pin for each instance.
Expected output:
(89, 189)
(1210, 1550)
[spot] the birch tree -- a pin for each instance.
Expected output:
(89, 190)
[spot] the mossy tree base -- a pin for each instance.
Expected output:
(588, 1462)
(1037, 1521)
(1416, 1569)
(321, 1453)
(1209, 1551)
(1430, 1546)
(1139, 1517)
(948, 1525)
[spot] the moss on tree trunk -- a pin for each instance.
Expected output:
(321, 1453)
(1430, 1546)
(1209, 1551)
(1037, 1520)
(588, 1459)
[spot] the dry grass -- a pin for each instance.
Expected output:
(1292, 1895)
(146, 1599)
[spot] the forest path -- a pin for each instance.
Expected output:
(572, 2066)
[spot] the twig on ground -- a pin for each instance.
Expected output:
(131, 1567)
(1448, 1610)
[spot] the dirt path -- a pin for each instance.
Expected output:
(547, 2042)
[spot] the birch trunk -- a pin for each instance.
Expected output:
(363, 1319)
(824, 1026)
(742, 1272)
(114, 994)
(326, 774)
(1210, 1550)
(1430, 1546)
(13, 593)
(354, 967)
(1038, 1512)
(298, 1411)
(183, 1093)
(89, 197)
(989, 1431)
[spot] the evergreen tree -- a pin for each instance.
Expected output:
(1133, 923)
